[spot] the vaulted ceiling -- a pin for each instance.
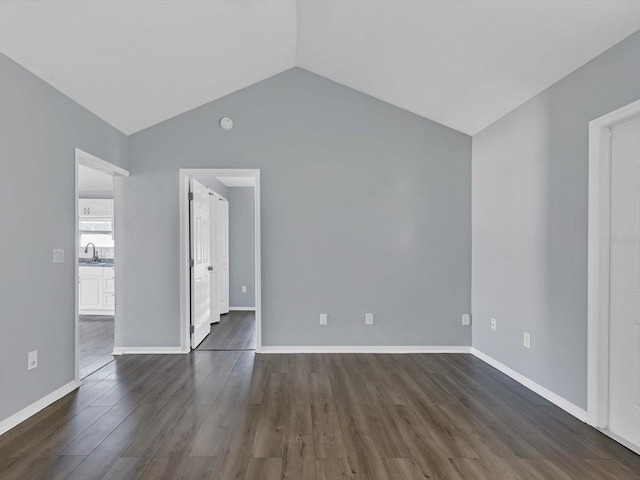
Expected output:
(461, 63)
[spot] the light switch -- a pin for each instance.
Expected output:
(58, 255)
(323, 319)
(244, 289)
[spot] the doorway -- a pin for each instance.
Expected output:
(229, 316)
(94, 262)
(614, 275)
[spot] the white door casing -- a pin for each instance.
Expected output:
(215, 258)
(199, 251)
(223, 250)
(624, 315)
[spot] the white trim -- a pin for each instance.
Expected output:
(97, 313)
(631, 446)
(149, 351)
(96, 163)
(86, 159)
(366, 349)
(598, 263)
(242, 309)
(184, 174)
(19, 417)
(564, 404)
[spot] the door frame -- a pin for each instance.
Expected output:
(598, 297)
(184, 174)
(88, 160)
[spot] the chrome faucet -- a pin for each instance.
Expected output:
(95, 254)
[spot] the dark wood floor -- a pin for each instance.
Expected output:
(236, 415)
(95, 344)
(235, 331)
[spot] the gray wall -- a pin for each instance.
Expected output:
(39, 131)
(241, 246)
(530, 173)
(365, 208)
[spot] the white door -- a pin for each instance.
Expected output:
(624, 347)
(200, 262)
(215, 258)
(223, 251)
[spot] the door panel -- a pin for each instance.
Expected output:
(215, 258)
(624, 347)
(223, 250)
(200, 276)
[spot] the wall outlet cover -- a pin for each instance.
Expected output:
(494, 324)
(32, 360)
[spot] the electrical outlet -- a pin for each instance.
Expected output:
(244, 289)
(494, 324)
(466, 319)
(323, 319)
(527, 340)
(32, 360)
(368, 318)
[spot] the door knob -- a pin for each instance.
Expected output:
(210, 268)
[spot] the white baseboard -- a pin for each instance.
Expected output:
(566, 405)
(631, 446)
(108, 313)
(148, 351)
(242, 309)
(17, 418)
(365, 349)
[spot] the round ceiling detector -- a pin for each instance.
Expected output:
(226, 123)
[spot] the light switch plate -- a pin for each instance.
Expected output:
(466, 319)
(58, 255)
(526, 340)
(244, 289)
(368, 318)
(323, 319)
(494, 324)
(32, 360)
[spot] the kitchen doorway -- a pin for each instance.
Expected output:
(95, 260)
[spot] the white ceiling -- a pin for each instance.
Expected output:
(137, 63)
(461, 63)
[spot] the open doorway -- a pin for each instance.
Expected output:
(220, 248)
(95, 262)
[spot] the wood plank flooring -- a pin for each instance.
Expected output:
(235, 331)
(95, 342)
(222, 415)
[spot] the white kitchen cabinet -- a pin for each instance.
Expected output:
(108, 280)
(95, 207)
(90, 288)
(96, 291)
(110, 302)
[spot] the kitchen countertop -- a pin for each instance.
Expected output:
(103, 262)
